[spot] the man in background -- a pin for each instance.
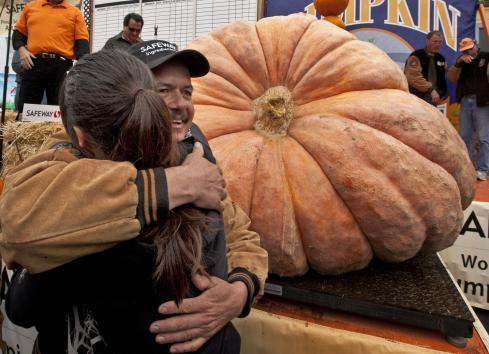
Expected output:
(470, 73)
(130, 34)
(49, 35)
(425, 70)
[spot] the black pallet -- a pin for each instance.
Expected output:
(418, 292)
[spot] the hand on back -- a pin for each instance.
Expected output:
(199, 318)
(197, 181)
(209, 185)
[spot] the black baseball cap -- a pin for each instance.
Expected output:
(156, 52)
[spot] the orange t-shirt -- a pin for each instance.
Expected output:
(51, 28)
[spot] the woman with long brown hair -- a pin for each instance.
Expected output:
(111, 110)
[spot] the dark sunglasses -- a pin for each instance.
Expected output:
(136, 30)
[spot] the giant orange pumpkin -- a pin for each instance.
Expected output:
(324, 148)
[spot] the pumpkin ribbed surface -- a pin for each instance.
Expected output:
(324, 148)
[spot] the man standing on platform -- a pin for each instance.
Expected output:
(470, 72)
(49, 35)
(130, 34)
(425, 70)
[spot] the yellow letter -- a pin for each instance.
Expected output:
(398, 14)
(366, 9)
(424, 16)
(310, 9)
(441, 16)
(349, 14)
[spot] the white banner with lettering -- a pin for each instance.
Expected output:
(41, 113)
(468, 258)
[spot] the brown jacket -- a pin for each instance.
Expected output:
(454, 73)
(48, 220)
(412, 70)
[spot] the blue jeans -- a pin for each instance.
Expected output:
(473, 118)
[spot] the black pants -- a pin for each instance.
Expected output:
(46, 75)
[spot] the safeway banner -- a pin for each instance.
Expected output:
(400, 26)
(41, 113)
(5, 9)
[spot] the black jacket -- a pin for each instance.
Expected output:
(473, 79)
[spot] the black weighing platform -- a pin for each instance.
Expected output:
(418, 292)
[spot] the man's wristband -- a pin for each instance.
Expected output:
(252, 284)
(18, 40)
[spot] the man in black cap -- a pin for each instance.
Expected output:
(203, 316)
(172, 70)
(198, 318)
(470, 73)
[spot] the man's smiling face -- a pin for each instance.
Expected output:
(175, 87)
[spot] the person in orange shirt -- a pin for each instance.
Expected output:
(49, 35)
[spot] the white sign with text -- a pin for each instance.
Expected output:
(468, 258)
(41, 113)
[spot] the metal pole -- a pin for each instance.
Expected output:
(5, 79)
(482, 13)
(6, 72)
(261, 9)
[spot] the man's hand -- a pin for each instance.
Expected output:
(199, 318)
(465, 59)
(435, 97)
(196, 181)
(26, 58)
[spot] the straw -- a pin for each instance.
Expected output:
(22, 140)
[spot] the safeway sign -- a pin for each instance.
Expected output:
(41, 113)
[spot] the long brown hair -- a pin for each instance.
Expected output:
(112, 97)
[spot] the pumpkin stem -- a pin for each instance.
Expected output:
(274, 110)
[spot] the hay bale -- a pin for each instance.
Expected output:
(22, 140)
(10, 116)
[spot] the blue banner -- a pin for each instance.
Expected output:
(400, 26)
